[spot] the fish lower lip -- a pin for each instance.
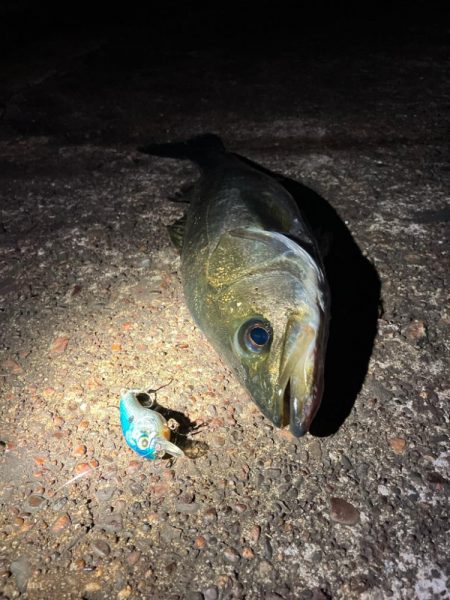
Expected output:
(293, 413)
(301, 382)
(302, 409)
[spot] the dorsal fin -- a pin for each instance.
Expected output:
(205, 150)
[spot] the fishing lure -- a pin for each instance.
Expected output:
(146, 431)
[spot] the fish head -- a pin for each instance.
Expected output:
(145, 430)
(273, 330)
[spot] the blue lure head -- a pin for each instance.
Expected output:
(146, 431)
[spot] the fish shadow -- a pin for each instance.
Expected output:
(186, 428)
(355, 290)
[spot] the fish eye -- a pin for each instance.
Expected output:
(255, 335)
(143, 442)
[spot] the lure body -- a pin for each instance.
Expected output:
(146, 431)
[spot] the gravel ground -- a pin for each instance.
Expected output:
(91, 302)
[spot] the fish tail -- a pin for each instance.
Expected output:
(206, 150)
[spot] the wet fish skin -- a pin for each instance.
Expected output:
(251, 269)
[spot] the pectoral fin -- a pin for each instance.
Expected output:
(176, 232)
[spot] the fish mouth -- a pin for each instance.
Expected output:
(300, 385)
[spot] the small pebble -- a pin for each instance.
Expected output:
(76, 289)
(59, 503)
(254, 533)
(286, 434)
(61, 523)
(182, 507)
(59, 345)
(35, 501)
(78, 565)
(27, 525)
(111, 524)
(101, 548)
(397, 444)
(11, 366)
(211, 593)
(248, 553)
(315, 449)
(200, 542)
(343, 512)
(268, 552)
(168, 474)
(187, 497)
(231, 554)
(22, 571)
(136, 489)
(170, 533)
(210, 514)
(346, 463)
(125, 593)
(265, 570)
(134, 465)
(224, 581)
(79, 450)
(153, 518)
(273, 473)
(82, 468)
(133, 558)
(58, 421)
(415, 331)
(48, 392)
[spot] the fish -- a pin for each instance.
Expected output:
(146, 431)
(253, 279)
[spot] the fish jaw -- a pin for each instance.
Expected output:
(288, 390)
(301, 379)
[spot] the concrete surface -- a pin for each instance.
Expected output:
(91, 302)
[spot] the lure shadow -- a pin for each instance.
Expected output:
(186, 428)
(355, 289)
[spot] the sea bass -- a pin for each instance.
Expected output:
(253, 280)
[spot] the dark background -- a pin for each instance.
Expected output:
(239, 28)
(110, 67)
